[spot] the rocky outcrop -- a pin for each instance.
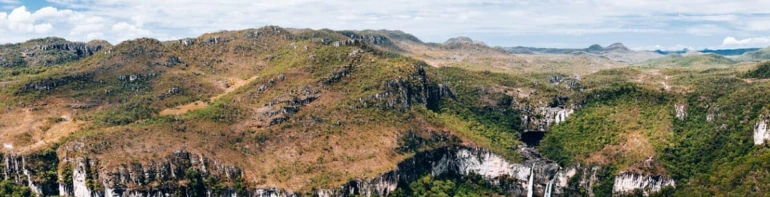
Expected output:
(370, 39)
(583, 178)
(681, 111)
(542, 118)
(190, 174)
(183, 173)
(761, 134)
(52, 83)
(628, 182)
(47, 52)
(509, 176)
(36, 171)
(281, 108)
(402, 93)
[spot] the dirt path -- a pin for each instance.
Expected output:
(752, 80)
(183, 109)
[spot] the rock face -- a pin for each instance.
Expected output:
(32, 171)
(402, 93)
(627, 182)
(761, 133)
(47, 51)
(85, 177)
(549, 116)
(189, 174)
(681, 111)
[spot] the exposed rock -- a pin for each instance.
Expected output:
(550, 116)
(79, 179)
(681, 111)
(282, 108)
(51, 83)
(628, 182)
(173, 60)
(337, 75)
(160, 177)
(187, 41)
(761, 133)
(402, 93)
(47, 51)
(31, 171)
(371, 39)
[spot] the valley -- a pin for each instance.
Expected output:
(275, 111)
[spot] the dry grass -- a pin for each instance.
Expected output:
(489, 59)
(232, 85)
(31, 129)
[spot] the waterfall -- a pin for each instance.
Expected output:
(530, 187)
(549, 187)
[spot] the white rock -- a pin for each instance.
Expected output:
(681, 112)
(627, 182)
(79, 180)
(760, 131)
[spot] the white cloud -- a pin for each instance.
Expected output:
(714, 18)
(86, 28)
(748, 42)
(137, 21)
(432, 20)
(22, 21)
(20, 15)
(128, 31)
(3, 19)
(705, 30)
(676, 47)
(761, 24)
(42, 28)
(50, 12)
(95, 36)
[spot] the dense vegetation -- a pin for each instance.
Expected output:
(445, 186)
(11, 189)
(762, 71)
(712, 146)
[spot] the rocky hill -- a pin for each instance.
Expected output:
(758, 55)
(300, 112)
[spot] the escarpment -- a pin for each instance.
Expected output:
(190, 174)
(300, 112)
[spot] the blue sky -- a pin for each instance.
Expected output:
(639, 24)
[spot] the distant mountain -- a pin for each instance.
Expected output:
(462, 40)
(723, 52)
(617, 47)
(535, 50)
(616, 52)
(689, 59)
(757, 55)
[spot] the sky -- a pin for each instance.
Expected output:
(639, 24)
